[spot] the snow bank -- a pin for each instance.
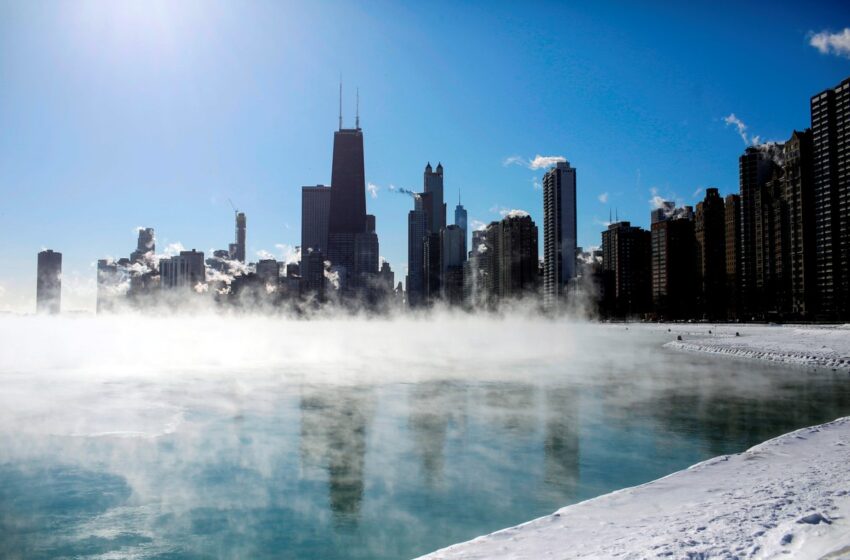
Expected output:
(787, 497)
(814, 346)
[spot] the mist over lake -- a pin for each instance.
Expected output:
(347, 437)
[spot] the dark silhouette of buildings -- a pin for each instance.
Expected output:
(799, 197)
(461, 222)
(315, 210)
(48, 286)
(733, 255)
(416, 230)
(237, 249)
(452, 255)
(710, 237)
(626, 269)
(185, 270)
(559, 232)
(436, 209)
(516, 256)
(830, 112)
(674, 267)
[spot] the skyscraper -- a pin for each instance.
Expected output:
(559, 231)
(710, 232)
(674, 269)
(453, 255)
(416, 228)
(437, 209)
(733, 256)
(830, 112)
(237, 249)
(185, 270)
(755, 170)
(799, 197)
(516, 256)
(347, 213)
(48, 287)
(315, 209)
(144, 245)
(626, 258)
(461, 222)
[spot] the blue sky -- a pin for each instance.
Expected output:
(116, 115)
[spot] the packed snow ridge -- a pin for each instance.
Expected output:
(786, 498)
(814, 346)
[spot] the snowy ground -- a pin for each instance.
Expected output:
(787, 497)
(814, 346)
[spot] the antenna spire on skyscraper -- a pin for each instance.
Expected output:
(340, 101)
(357, 117)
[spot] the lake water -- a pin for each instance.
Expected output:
(335, 451)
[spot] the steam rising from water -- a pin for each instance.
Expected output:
(192, 435)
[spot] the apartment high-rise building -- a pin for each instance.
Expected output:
(479, 274)
(313, 274)
(733, 235)
(800, 204)
(674, 268)
(516, 256)
(756, 167)
(315, 209)
(185, 270)
(452, 255)
(416, 229)
(710, 234)
(559, 231)
(436, 209)
(830, 113)
(48, 287)
(433, 267)
(626, 264)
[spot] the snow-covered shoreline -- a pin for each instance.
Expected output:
(823, 346)
(786, 496)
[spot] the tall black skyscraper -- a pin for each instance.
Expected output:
(347, 215)
(831, 175)
(436, 210)
(461, 222)
(237, 249)
(48, 290)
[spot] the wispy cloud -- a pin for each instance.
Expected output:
(741, 128)
(603, 198)
(478, 225)
(535, 183)
(832, 43)
(513, 213)
(542, 162)
(373, 189)
(697, 192)
(538, 162)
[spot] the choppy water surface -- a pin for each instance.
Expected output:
(381, 439)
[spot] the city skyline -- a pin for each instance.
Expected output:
(55, 213)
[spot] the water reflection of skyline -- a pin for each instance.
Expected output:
(350, 471)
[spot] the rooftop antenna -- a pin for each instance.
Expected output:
(616, 215)
(340, 101)
(610, 216)
(357, 118)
